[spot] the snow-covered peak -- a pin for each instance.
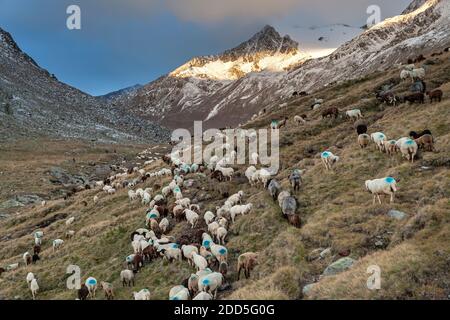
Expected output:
(266, 50)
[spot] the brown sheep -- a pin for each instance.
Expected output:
(294, 220)
(223, 268)
(108, 289)
(83, 292)
(390, 147)
(435, 95)
(330, 112)
(35, 258)
(363, 140)
(247, 261)
(149, 253)
(426, 142)
(37, 249)
(138, 262)
(218, 175)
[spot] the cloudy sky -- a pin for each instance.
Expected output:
(122, 43)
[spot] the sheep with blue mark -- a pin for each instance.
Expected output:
(219, 252)
(329, 159)
(378, 138)
(383, 186)
(408, 149)
(210, 283)
(390, 147)
(91, 284)
(179, 293)
(203, 296)
(206, 240)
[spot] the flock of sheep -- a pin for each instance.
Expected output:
(205, 250)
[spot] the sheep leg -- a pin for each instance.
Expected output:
(379, 199)
(392, 197)
(373, 202)
(239, 272)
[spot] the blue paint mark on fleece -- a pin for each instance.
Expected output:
(325, 154)
(206, 243)
(223, 251)
(92, 281)
(390, 180)
(174, 298)
(409, 142)
(205, 282)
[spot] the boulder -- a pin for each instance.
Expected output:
(396, 214)
(338, 266)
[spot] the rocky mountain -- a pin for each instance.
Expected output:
(214, 90)
(34, 103)
(125, 91)
(198, 89)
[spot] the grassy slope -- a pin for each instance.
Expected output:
(336, 212)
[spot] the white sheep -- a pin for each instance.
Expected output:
(146, 198)
(185, 202)
(179, 293)
(235, 198)
(91, 284)
(354, 114)
(328, 159)
(203, 296)
(208, 217)
(70, 221)
(127, 277)
(206, 240)
(199, 261)
(212, 227)
(210, 283)
(223, 222)
(164, 225)
(240, 209)
(299, 120)
(378, 138)
(57, 243)
(222, 211)
(166, 191)
(34, 287)
(27, 258)
(219, 252)
(171, 253)
(381, 186)
(29, 278)
(188, 250)
(191, 217)
(132, 195)
(144, 294)
(96, 198)
(264, 177)
(221, 233)
(227, 172)
(255, 157)
(409, 148)
(249, 173)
